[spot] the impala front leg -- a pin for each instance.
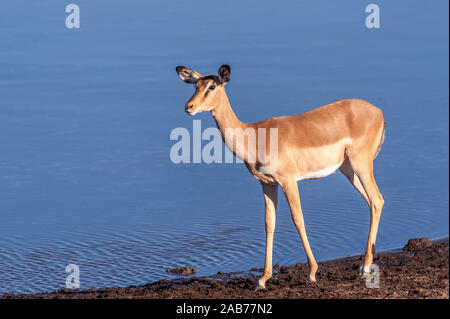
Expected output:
(270, 198)
(290, 189)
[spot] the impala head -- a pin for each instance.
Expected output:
(209, 89)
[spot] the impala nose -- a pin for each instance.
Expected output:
(188, 107)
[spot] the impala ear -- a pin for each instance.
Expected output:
(224, 73)
(188, 75)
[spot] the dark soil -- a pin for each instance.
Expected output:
(420, 272)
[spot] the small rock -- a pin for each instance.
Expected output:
(276, 267)
(415, 244)
(185, 271)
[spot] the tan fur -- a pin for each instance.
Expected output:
(345, 134)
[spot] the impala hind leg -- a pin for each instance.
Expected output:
(270, 198)
(290, 189)
(347, 170)
(375, 201)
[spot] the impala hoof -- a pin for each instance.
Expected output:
(311, 278)
(260, 286)
(364, 270)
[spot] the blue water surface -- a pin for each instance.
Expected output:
(86, 115)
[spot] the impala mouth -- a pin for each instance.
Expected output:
(191, 112)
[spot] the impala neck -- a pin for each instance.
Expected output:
(226, 119)
(224, 116)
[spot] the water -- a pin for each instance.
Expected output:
(85, 173)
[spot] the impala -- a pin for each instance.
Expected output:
(345, 135)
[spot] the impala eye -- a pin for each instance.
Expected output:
(212, 87)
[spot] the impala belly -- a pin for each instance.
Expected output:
(319, 174)
(321, 161)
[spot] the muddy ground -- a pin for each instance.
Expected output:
(420, 270)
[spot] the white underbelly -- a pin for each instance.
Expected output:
(320, 173)
(321, 161)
